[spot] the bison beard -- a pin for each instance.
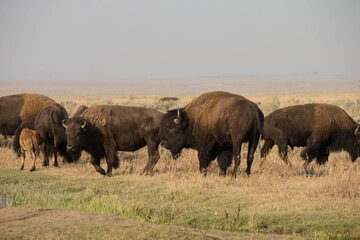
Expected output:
(215, 124)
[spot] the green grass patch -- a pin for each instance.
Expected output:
(197, 205)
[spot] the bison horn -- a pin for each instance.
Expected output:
(84, 125)
(357, 130)
(63, 123)
(178, 118)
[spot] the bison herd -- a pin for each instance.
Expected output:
(216, 124)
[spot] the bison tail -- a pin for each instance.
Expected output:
(260, 122)
(16, 144)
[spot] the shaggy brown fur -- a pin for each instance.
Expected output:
(322, 128)
(29, 142)
(215, 124)
(97, 115)
(19, 111)
(105, 129)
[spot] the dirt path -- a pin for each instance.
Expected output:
(35, 223)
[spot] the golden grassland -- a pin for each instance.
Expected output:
(323, 202)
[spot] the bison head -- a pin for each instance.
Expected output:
(75, 135)
(173, 131)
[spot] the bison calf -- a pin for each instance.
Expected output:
(29, 141)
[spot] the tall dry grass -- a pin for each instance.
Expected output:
(322, 202)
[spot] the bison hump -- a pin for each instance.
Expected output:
(97, 115)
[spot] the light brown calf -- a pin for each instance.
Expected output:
(29, 141)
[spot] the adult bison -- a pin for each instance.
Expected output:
(48, 124)
(19, 111)
(215, 124)
(320, 128)
(104, 129)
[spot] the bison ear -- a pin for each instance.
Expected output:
(83, 127)
(178, 118)
(63, 123)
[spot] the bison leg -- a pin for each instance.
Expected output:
(322, 157)
(268, 144)
(283, 152)
(205, 159)
(154, 157)
(112, 162)
(23, 160)
(111, 156)
(237, 158)
(46, 148)
(33, 155)
(251, 151)
(96, 163)
(55, 158)
(224, 161)
(310, 151)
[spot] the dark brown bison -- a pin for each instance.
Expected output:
(48, 124)
(80, 110)
(19, 111)
(215, 124)
(320, 128)
(103, 130)
(29, 142)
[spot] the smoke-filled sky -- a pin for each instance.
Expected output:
(114, 39)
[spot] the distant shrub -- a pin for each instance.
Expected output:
(270, 106)
(70, 107)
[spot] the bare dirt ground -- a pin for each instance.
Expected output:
(30, 223)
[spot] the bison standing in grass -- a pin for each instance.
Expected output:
(48, 124)
(29, 142)
(216, 124)
(19, 111)
(320, 128)
(104, 129)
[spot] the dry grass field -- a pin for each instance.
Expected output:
(276, 201)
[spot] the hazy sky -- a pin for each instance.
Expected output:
(112, 39)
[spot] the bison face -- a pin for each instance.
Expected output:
(173, 132)
(75, 136)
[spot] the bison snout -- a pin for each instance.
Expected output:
(70, 148)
